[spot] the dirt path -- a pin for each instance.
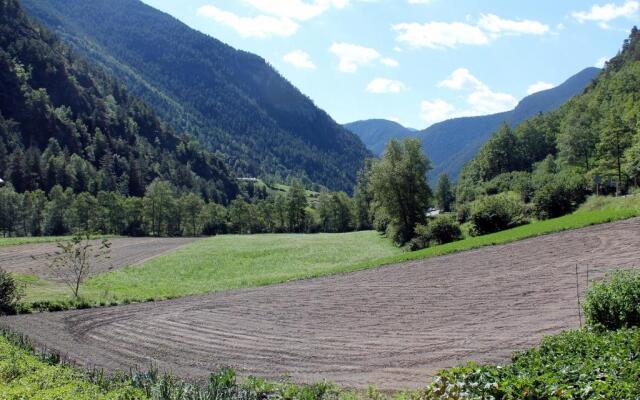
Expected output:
(32, 259)
(392, 327)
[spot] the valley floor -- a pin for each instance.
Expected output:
(391, 326)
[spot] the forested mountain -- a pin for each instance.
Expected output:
(451, 144)
(376, 133)
(234, 101)
(590, 143)
(65, 122)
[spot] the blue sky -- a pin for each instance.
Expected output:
(416, 61)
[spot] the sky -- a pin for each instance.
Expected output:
(417, 62)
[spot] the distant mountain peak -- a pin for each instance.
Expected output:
(452, 143)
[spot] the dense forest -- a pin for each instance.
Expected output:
(590, 144)
(64, 122)
(233, 101)
(78, 153)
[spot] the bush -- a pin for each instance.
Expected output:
(444, 229)
(561, 195)
(614, 303)
(440, 230)
(496, 213)
(10, 293)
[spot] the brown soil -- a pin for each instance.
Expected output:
(392, 327)
(34, 259)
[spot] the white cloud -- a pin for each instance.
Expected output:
(352, 56)
(261, 26)
(390, 62)
(382, 85)
(436, 111)
(299, 59)
(277, 17)
(439, 34)
(539, 87)
(485, 101)
(460, 79)
(497, 26)
(420, 1)
(296, 9)
(602, 61)
(481, 100)
(607, 12)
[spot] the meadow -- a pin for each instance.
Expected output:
(240, 261)
(222, 263)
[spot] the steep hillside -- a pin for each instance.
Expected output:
(65, 122)
(593, 140)
(232, 100)
(375, 133)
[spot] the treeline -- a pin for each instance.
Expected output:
(164, 211)
(66, 123)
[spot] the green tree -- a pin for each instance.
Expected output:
(615, 137)
(631, 165)
(54, 221)
(400, 188)
(82, 213)
(159, 204)
(577, 139)
(214, 218)
(34, 204)
(10, 210)
(133, 209)
(240, 216)
(191, 207)
(444, 194)
(502, 153)
(362, 198)
(296, 207)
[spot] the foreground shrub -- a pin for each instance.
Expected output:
(10, 293)
(496, 213)
(560, 195)
(614, 303)
(576, 365)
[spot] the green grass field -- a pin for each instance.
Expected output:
(231, 261)
(226, 262)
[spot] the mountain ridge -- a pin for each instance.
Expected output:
(234, 101)
(452, 143)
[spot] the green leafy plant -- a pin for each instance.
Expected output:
(615, 302)
(10, 293)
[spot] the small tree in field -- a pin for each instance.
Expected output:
(75, 259)
(10, 293)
